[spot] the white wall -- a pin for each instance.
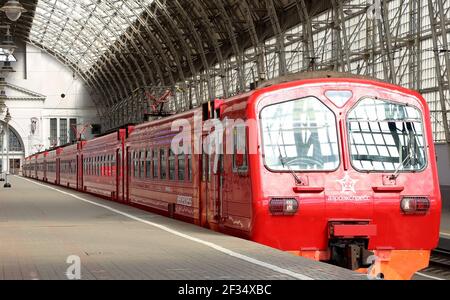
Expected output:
(40, 73)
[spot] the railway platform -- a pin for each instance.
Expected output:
(45, 229)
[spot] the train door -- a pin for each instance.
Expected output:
(119, 177)
(212, 170)
(127, 175)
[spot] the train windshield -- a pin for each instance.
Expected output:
(300, 135)
(386, 137)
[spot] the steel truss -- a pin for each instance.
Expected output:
(206, 49)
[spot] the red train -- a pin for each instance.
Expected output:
(328, 166)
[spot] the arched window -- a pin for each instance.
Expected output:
(15, 142)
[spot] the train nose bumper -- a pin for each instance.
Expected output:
(350, 240)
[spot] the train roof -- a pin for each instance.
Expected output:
(313, 75)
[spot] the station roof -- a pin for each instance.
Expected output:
(153, 42)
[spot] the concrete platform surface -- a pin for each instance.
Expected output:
(41, 226)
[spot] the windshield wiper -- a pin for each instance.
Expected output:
(286, 165)
(400, 167)
(283, 159)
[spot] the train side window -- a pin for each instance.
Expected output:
(189, 167)
(102, 166)
(163, 164)
(119, 164)
(142, 167)
(171, 165)
(105, 166)
(240, 158)
(148, 164)
(108, 165)
(112, 164)
(136, 164)
(181, 167)
(205, 167)
(155, 163)
(128, 165)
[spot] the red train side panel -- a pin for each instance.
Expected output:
(156, 178)
(68, 166)
(102, 162)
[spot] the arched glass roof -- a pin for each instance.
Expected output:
(82, 31)
(119, 46)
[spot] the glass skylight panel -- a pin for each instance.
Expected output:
(82, 31)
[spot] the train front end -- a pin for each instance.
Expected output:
(346, 173)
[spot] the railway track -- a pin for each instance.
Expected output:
(439, 264)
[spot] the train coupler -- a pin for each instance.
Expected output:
(350, 254)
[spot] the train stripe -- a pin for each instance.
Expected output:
(182, 235)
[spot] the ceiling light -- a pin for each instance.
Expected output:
(13, 10)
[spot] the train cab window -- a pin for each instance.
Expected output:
(163, 165)
(155, 163)
(171, 165)
(240, 158)
(181, 167)
(148, 165)
(386, 136)
(300, 135)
